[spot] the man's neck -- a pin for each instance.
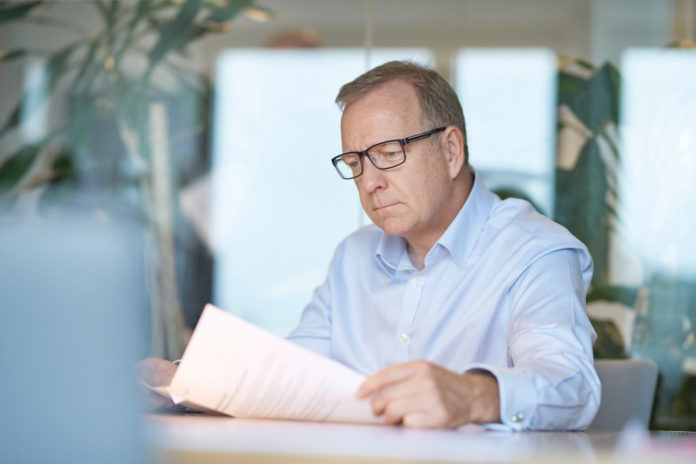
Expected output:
(417, 259)
(418, 248)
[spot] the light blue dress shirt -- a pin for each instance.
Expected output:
(503, 290)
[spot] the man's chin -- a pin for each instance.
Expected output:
(392, 226)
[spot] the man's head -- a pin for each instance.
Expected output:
(438, 101)
(418, 199)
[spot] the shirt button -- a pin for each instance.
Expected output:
(415, 282)
(403, 338)
(518, 418)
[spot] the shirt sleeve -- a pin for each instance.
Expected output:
(552, 384)
(314, 330)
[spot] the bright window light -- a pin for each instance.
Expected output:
(509, 101)
(658, 129)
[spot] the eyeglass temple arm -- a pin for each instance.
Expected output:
(408, 140)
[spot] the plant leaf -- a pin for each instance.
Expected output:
(585, 64)
(17, 165)
(108, 12)
(615, 81)
(623, 294)
(16, 10)
(148, 8)
(224, 14)
(220, 15)
(103, 12)
(581, 204)
(596, 102)
(177, 32)
(9, 55)
(33, 98)
(87, 63)
(568, 85)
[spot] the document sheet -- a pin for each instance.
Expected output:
(233, 367)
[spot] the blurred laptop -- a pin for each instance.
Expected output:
(72, 311)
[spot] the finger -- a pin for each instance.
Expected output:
(389, 375)
(397, 411)
(416, 411)
(409, 387)
(422, 420)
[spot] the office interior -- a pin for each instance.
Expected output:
(159, 155)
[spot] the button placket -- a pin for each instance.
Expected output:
(411, 302)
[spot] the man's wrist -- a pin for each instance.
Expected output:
(487, 407)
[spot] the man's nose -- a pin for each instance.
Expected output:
(372, 178)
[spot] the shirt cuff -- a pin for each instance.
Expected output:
(517, 395)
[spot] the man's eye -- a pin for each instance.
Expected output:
(351, 161)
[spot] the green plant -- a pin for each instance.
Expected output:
(586, 190)
(586, 193)
(96, 73)
(587, 179)
(586, 203)
(109, 76)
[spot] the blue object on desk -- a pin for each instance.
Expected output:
(72, 305)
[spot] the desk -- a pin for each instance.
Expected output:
(202, 438)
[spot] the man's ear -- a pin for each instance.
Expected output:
(454, 145)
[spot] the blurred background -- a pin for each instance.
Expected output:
(207, 126)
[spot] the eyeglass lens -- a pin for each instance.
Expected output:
(384, 156)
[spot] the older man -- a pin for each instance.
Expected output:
(460, 307)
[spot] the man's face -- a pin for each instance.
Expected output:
(408, 200)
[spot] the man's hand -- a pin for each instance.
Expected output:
(421, 394)
(157, 372)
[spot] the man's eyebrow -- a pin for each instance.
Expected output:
(369, 146)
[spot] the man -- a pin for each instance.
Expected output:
(460, 307)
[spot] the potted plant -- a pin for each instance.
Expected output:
(123, 131)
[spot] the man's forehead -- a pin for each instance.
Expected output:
(386, 112)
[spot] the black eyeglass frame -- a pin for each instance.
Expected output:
(403, 142)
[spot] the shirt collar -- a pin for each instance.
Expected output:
(459, 238)
(391, 253)
(464, 231)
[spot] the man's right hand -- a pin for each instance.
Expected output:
(157, 372)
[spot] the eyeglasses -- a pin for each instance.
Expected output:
(383, 155)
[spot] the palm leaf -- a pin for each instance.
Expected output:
(568, 85)
(33, 98)
(108, 12)
(581, 204)
(624, 294)
(9, 55)
(596, 102)
(88, 63)
(224, 14)
(13, 11)
(220, 15)
(177, 32)
(18, 164)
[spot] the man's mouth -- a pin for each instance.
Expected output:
(377, 208)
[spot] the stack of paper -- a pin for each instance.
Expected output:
(235, 368)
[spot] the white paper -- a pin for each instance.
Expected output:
(236, 368)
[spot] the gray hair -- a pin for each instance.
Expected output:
(438, 101)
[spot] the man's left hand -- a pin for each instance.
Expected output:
(421, 394)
